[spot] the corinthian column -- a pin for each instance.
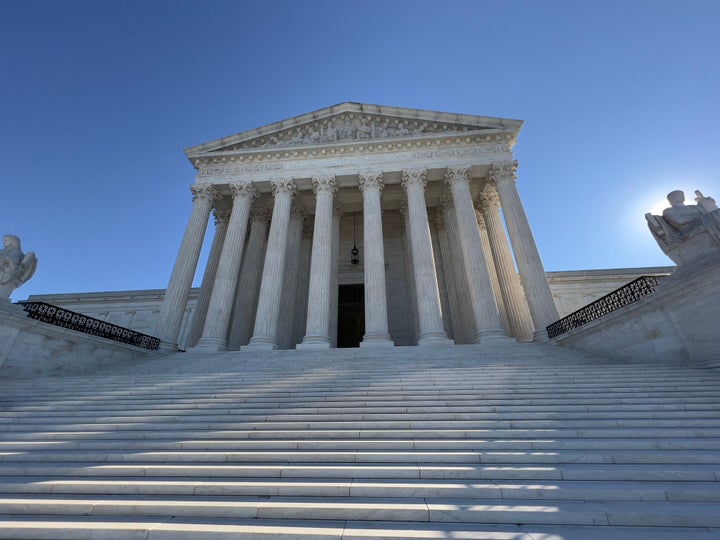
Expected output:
(487, 319)
(286, 330)
(246, 292)
(511, 291)
(319, 294)
(221, 224)
(268, 311)
(532, 274)
(493, 273)
(431, 329)
(176, 295)
(464, 324)
(221, 302)
(376, 319)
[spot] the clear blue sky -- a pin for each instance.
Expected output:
(98, 99)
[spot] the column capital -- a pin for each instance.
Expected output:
(481, 220)
(262, 213)
(457, 174)
(298, 212)
(414, 177)
(203, 192)
(283, 187)
(403, 208)
(371, 180)
(503, 171)
(488, 199)
(243, 190)
(445, 202)
(222, 215)
(324, 183)
(440, 218)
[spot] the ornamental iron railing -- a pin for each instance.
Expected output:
(40, 311)
(624, 296)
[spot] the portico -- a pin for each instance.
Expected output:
(420, 193)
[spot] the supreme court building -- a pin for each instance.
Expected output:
(359, 225)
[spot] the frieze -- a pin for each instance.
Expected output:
(352, 127)
(303, 163)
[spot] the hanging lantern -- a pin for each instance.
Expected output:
(354, 253)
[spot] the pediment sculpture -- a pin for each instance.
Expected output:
(687, 233)
(350, 127)
(16, 267)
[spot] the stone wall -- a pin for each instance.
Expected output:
(32, 348)
(677, 323)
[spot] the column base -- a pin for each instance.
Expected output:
(540, 336)
(314, 342)
(434, 338)
(210, 345)
(494, 336)
(167, 347)
(260, 343)
(376, 340)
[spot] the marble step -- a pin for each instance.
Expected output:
(641, 472)
(503, 419)
(386, 488)
(128, 433)
(377, 456)
(141, 442)
(385, 407)
(668, 514)
(107, 528)
(582, 428)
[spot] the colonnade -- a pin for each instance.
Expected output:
(248, 290)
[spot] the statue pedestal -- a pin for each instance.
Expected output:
(677, 323)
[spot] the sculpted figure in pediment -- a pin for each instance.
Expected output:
(349, 128)
(687, 233)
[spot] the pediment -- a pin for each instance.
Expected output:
(353, 123)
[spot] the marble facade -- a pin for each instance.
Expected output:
(427, 189)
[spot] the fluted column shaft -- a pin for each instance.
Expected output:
(303, 282)
(221, 224)
(510, 288)
(268, 311)
(317, 329)
(487, 319)
(292, 269)
(376, 318)
(338, 212)
(428, 298)
(532, 274)
(214, 335)
(246, 293)
(464, 327)
(409, 271)
(497, 293)
(176, 295)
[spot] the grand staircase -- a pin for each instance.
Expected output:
(503, 441)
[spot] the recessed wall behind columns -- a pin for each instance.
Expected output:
(677, 323)
(137, 310)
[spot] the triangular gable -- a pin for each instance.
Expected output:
(354, 123)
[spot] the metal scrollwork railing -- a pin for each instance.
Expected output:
(625, 295)
(65, 318)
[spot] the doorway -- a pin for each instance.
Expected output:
(351, 315)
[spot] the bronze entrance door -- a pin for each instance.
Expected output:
(351, 315)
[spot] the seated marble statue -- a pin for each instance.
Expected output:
(15, 266)
(687, 232)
